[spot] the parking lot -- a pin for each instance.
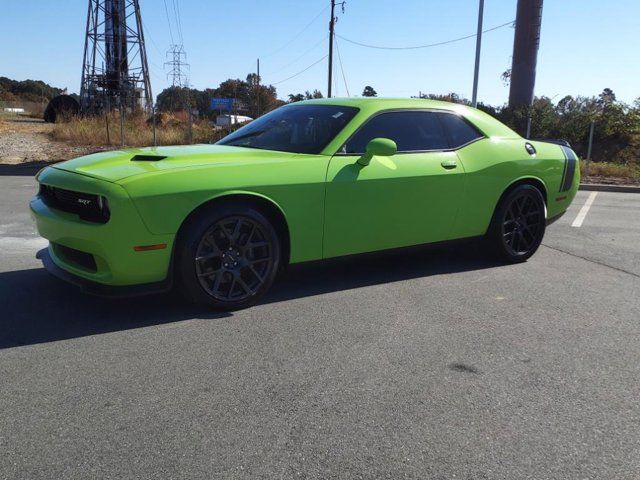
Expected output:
(430, 364)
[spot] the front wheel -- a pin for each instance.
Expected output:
(227, 258)
(518, 224)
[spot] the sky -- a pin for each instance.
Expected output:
(586, 45)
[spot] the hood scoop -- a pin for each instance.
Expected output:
(147, 158)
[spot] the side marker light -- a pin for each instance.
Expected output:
(145, 248)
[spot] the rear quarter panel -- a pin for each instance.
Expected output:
(492, 165)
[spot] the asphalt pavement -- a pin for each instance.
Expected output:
(435, 363)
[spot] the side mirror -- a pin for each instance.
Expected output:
(383, 147)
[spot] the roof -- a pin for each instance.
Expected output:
(361, 102)
(369, 105)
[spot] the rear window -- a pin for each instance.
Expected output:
(459, 130)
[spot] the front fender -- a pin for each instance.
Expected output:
(296, 188)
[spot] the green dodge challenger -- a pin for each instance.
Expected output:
(308, 181)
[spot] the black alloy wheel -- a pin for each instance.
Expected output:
(233, 259)
(518, 224)
(227, 257)
(521, 224)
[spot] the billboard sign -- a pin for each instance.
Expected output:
(222, 103)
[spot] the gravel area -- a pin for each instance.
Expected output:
(26, 140)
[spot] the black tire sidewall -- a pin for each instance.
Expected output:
(187, 245)
(495, 237)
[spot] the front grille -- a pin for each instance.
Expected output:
(76, 257)
(89, 207)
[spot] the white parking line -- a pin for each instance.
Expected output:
(584, 210)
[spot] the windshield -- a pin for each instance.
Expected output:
(295, 128)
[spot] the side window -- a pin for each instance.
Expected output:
(412, 131)
(459, 130)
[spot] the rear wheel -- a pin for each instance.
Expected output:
(518, 224)
(227, 258)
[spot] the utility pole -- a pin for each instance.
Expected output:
(331, 27)
(591, 128)
(525, 52)
(476, 70)
(332, 23)
(258, 90)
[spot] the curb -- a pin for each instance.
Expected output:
(601, 187)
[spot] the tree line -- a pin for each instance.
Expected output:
(616, 124)
(26, 90)
(251, 97)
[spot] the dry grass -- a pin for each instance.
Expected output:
(174, 130)
(4, 120)
(138, 131)
(611, 170)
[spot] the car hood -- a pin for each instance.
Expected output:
(117, 165)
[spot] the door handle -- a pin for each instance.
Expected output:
(449, 164)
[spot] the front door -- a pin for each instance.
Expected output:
(406, 199)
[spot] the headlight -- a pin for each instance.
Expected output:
(36, 178)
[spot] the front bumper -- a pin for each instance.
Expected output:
(111, 245)
(101, 289)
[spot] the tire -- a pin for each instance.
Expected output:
(227, 257)
(518, 224)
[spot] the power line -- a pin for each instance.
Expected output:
(379, 47)
(297, 34)
(155, 45)
(342, 69)
(166, 11)
(301, 71)
(315, 45)
(176, 12)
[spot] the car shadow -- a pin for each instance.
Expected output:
(316, 278)
(39, 308)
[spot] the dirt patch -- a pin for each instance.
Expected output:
(24, 140)
(610, 180)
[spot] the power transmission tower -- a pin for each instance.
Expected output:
(115, 72)
(332, 24)
(177, 65)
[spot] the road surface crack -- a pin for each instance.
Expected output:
(592, 260)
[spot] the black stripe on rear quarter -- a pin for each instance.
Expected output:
(564, 168)
(569, 168)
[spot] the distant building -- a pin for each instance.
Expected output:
(226, 120)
